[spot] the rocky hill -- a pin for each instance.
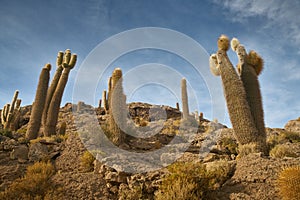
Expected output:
(226, 171)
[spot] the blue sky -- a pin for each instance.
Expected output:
(32, 32)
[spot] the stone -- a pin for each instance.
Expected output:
(38, 152)
(19, 152)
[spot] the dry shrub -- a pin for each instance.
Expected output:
(34, 185)
(190, 180)
(246, 149)
(281, 151)
(87, 161)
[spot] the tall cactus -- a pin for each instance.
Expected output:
(184, 99)
(53, 85)
(39, 103)
(249, 68)
(117, 108)
(68, 63)
(236, 98)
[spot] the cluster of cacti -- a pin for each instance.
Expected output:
(288, 183)
(10, 113)
(47, 101)
(184, 99)
(242, 92)
(117, 105)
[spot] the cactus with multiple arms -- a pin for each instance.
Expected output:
(236, 98)
(11, 113)
(39, 103)
(68, 63)
(249, 67)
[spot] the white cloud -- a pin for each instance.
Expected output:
(281, 15)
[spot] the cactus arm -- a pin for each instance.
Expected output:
(53, 85)
(13, 102)
(213, 65)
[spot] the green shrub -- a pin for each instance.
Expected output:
(34, 185)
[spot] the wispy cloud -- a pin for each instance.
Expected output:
(281, 16)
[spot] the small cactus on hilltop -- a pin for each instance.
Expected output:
(39, 103)
(117, 108)
(105, 101)
(184, 99)
(288, 183)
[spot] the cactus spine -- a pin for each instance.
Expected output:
(39, 103)
(184, 99)
(288, 183)
(117, 108)
(68, 63)
(53, 85)
(236, 98)
(249, 77)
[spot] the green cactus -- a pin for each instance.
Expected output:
(53, 85)
(184, 99)
(39, 103)
(118, 108)
(236, 98)
(68, 63)
(288, 183)
(249, 77)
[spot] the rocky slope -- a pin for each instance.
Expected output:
(251, 176)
